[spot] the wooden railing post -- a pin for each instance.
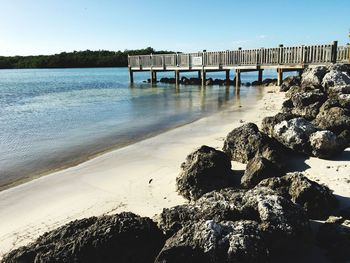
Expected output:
(302, 55)
(204, 57)
(280, 54)
(239, 56)
(334, 51)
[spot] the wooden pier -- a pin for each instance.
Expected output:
(281, 58)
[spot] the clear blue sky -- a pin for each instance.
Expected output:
(30, 27)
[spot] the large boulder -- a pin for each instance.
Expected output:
(283, 225)
(295, 134)
(300, 89)
(313, 76)
(204, 170)
(336, 78)
(334, 237)
(219, 205)
(277, 215)
(246, 141)
(124, 237)
(325, 144)
(317, 200)
(268, 123)
(307, 104)
(210, 241)
(290, 81)
(259, 168)
(332, 117)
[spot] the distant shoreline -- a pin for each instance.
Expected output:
(75, 59)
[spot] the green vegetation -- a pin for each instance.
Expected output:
(76, 59)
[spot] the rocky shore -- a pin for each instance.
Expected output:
(221, 82)
(264, 215)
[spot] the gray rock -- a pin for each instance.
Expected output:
(335, 78)
(307, 104)
(219, 205)
(283, 223)
(335, 119)
(210, 241)
(325, 144)
(258, 169)
(295, 134)
(300, 89)
(267, 81)
(126, 237)
(317, 200)
(185, 80)
(204, 170)
(209, 82)
(268, 123)
(290, 81)
(246, 141)
(334, 92)
(313, 76)
(339, 67)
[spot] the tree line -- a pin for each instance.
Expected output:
(75, 59)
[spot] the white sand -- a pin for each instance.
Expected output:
(119, 180)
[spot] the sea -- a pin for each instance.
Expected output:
(55, 118)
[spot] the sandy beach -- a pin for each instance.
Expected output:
(141, 177)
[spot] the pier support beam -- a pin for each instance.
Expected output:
(204, 76)
(153, 76)
(131, 75)
(227, 76)
(238, 78)
(177, 77)
(260, 75)
(279, 76)
(199, 75)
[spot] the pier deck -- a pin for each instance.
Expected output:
(282, 59)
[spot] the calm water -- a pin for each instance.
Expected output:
(51, 118)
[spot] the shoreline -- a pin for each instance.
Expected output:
(85, 158)
(30, 209)
(87, 154)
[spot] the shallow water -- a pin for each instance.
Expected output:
(52, 118)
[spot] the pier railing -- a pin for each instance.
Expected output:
(300, 55)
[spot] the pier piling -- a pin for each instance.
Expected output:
(177, 77)
(204, 76)
(260, 75)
